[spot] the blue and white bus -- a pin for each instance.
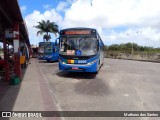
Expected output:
(81, 50)
(48, 51)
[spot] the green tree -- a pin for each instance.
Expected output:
(46, 27)
(114, 47)
(105, 47)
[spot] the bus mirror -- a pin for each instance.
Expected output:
(54, 50)
(100, 44)
(56, 41)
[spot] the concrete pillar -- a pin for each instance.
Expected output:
(17, 66)
(6, 66)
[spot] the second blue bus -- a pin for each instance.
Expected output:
(48, 51)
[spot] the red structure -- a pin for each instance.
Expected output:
(13, 31)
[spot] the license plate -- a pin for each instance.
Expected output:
(74, 68)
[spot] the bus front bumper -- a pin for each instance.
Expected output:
(48, 58)
(78, 67)
(41, 58)
(51, 58)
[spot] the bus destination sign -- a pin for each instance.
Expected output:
(78, 32)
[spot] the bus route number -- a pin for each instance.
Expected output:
(82, 61)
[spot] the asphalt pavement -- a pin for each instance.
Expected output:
(121, 85)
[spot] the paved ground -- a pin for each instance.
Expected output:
(121, 85)
(31, 95)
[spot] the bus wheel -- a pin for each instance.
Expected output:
(97, 71)
(48, 60)
(98, 68)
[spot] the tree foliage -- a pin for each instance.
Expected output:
(46, 27)
(128, 47)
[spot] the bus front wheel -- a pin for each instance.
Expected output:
(98, 67)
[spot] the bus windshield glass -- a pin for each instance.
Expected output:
(85, 46)
(45, 48)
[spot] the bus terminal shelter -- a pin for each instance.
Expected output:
(13, 33)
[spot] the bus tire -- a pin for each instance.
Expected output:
(97, 71)
(98, 68)
(48, 60)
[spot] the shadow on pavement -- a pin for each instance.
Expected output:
(44, 61)
(89, 83)
(9, 93)
(76, 75)
(95, 87)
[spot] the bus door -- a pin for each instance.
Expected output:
(56, 49)
(56, 52)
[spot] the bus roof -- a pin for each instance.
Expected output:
(78, 28)
(46, 42)
(78, 31)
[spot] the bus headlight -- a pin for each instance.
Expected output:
(61, 61)
(50, 56)
(92, 62)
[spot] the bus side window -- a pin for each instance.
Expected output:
(101, 45)
(97, 44)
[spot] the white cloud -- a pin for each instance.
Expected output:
(108, 17)
(62, 6)
(46, 6)
(23, 9)
(113, 13)
(36, 16)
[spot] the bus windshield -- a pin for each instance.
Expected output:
(45, 48)
(85, 46)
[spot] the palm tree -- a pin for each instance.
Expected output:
(47, 27)
(46, 37)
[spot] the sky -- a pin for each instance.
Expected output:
(117, 21)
